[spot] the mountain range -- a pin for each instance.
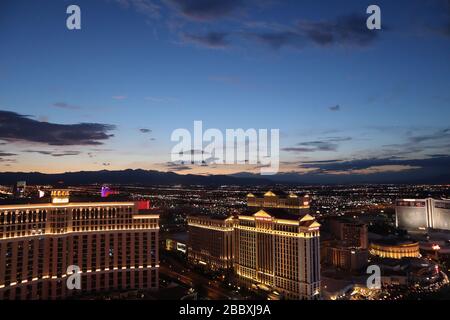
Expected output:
(152, 177)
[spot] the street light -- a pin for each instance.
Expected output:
(436, 249)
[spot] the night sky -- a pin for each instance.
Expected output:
(348, 101)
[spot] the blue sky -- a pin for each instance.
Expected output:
(306, 67)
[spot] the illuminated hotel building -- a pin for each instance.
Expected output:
(114, 244)
(279, 200)
(346, 258)
(210, 241)
(422, 214)
(395, 249)
(350, 234)
(278, 250)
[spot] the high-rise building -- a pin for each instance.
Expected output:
(422, 214)
(278, 250)
(348, 249)
(19, 189)
(210, 241)
(114, 245)
(274, 245)
(350, 234)
(345, 258)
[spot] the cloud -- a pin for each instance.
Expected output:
(175, 166)
(439, 135)
(66, 153)
(321, 161)
(44, 152)
(16, 127)
(301, 149)
(54, 153)
(349, 30)
(335, 108)
(8, 160)
(145, 130)
(64, 105)
(313, 146)
(213, 40)
(119, 97)
(328, 144)
(192, 152)
(436, 142)
(376, 165)
(7, 154)
(379, 169)
(205, 9)
(146, 7)
(277, 40)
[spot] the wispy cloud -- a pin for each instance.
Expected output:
(204, 10)
(278, 39)
(65, 105)
(213, 40)
(54, 153)
(146, 7)
(345, 30)
(7, 154)
(119, 97)
(349, 30)
(378, 165)
(175, 166)
(66, 153)
(335, 108)
(328, 144)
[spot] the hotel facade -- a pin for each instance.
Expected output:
(420, 215)
(210, 241)
(395, 249)
(114, 245)
(273, 249)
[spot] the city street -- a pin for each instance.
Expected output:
(175, 270)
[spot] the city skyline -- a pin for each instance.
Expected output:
(348, 101)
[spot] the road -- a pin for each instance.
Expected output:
(212, 290)
(176, 270)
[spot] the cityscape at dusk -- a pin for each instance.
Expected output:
(241, 150)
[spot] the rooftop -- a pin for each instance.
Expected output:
(275, 193)
(282, 214)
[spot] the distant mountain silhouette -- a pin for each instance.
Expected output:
(129, 176)
(152, 177)
(330, 179)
